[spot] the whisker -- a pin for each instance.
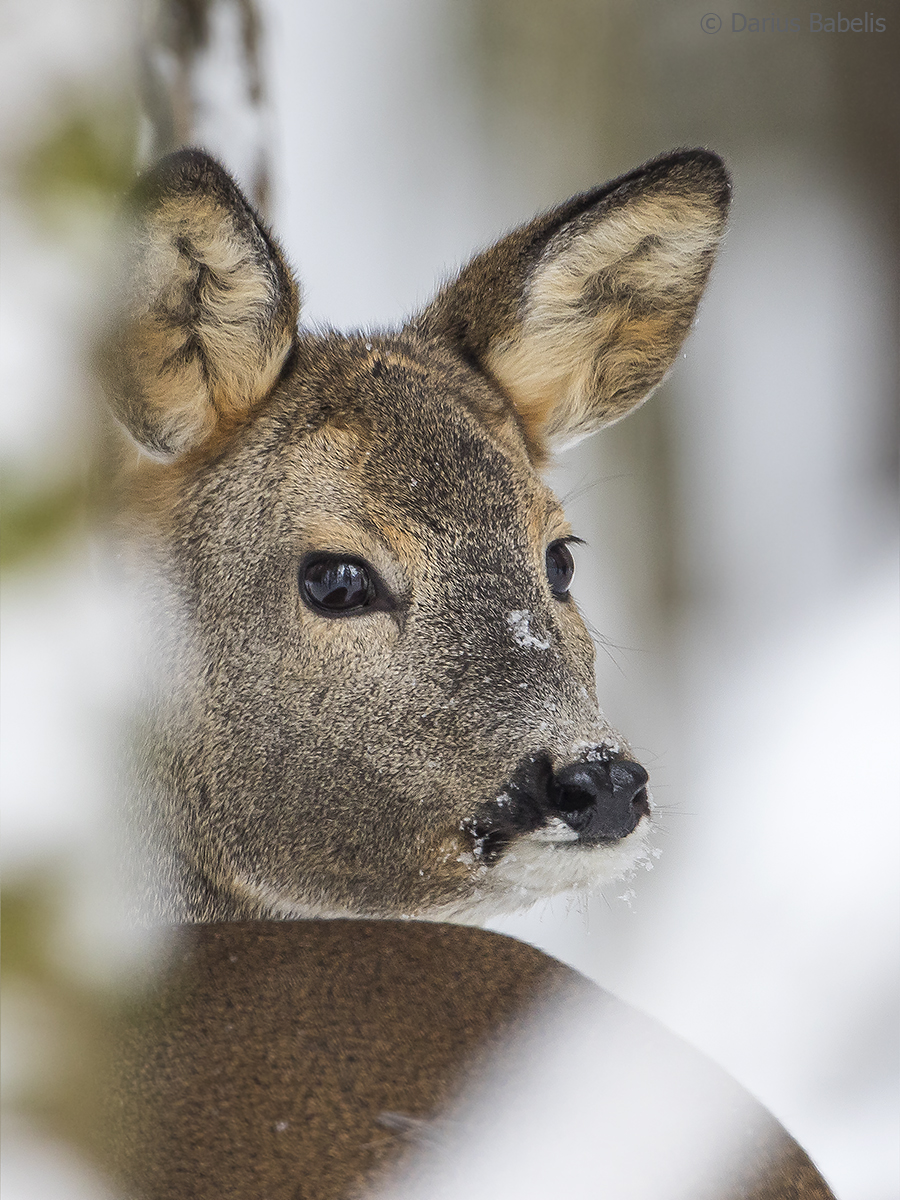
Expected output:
(588, 485)
(602, 642)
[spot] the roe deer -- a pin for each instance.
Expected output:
(377, 694)
(373, 695)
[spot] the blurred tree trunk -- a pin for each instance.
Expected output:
(201, 83)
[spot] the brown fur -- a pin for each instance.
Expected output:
(211, 311)
(314, 1059)
(297, 765)
(386, 762)
(596, 296)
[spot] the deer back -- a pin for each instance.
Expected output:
(327, 1059)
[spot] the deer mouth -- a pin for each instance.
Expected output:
(599, 801)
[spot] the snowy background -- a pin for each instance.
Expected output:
(741, 564)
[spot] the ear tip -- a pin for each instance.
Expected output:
(183, 171)
(701, 156)
(699, 168)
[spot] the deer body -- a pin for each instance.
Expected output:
(371, 694)
(330, 1059)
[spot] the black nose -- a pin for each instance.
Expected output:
(601, 801)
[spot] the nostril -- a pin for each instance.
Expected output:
(579, 789)
(627, 776)
(631, 779)
(601, 801)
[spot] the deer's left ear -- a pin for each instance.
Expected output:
(579, 314)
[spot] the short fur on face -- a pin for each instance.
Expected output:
(394, 760)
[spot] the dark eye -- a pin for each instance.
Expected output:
(560, 569)
(337, 586)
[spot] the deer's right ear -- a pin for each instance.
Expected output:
(209, 313)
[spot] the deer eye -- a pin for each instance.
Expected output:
(560, 569)
(336, 586)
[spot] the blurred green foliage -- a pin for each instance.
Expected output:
(63, 179)
(80, 163)
(27, 914)
(66, 1026)
(33, 521)
(67, 1017)
(86, 157)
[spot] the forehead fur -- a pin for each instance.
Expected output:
(398, 419)
(419, 431)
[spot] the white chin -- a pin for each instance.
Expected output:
(547, 863)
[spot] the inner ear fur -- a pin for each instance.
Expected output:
(209, 313)
(579, 314)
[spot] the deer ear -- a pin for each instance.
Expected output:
(209, 313)
(579, 314)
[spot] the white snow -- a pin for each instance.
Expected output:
(519, 622)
